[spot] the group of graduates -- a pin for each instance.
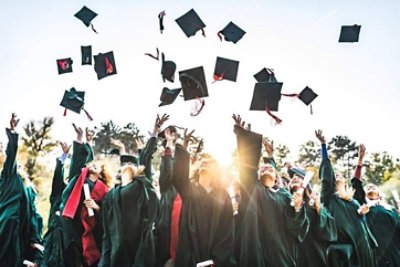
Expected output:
(100, 219)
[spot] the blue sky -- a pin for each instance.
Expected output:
(357, 84)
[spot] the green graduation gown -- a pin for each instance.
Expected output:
(384, 223)
(206, 223)
(53, 239)
(129, 213)
(354, 236)
(270, 228)
(19, 224)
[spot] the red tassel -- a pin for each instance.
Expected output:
(219, 36)
(63, 64)
(87, 114)
(109, 67)
(291, 95)
(276, 119)
(201, 103)
(218, 77)
(155, 57)
(65, 112)
(93, 29)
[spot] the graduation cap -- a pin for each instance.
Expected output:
(307, 96)
(349, 34)
(168, 96)
(226, 69)
(266, 96)
(86, 55)
(86, 16)
(128, 159)
(191, 23)
(74, 100)
(104, 65)
(168, 69)
(296, 171)
(265, 75)
(231, 33)
(64, 65)
(194, 86)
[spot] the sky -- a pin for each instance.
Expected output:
(357, 83)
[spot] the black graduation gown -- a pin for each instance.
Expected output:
(129, 213)
(352, 229)
(73, 229)
(53, 239)
(322, 231)
(163, 223)
(206, 222)
(146, 155)
(270, 228)
(385, 226)
(18, 224)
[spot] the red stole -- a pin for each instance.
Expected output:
(90, 251)
(175, 217)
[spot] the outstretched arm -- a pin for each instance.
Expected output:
(356, 182)
(165, 179)
(326, 173)
(268, 156)
(58, 184)
(79, 154)
(249, 148)
(10, 165)
(180, 173)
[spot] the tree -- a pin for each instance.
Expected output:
(37, 142)
(309, 153)
(343, 151)
(380, 168)
(281, 152)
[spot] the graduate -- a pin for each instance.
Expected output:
(382, 219)
(322, 231)
(206, 221)
(53, 239)
(20, 224)
(129, 213)
(271, 227)
(355, 244)
(167, 225)
(83, 231)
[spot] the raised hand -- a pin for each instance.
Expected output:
(119, 145)
(361, 153)
(89, 134)
(139, 144)
(320, 136)
(187, 138)
(162, 120)
(13, 122)
(268, 146)
(79, 133)
(65, 148)
(238, 121)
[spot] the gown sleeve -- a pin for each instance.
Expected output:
(180, 173)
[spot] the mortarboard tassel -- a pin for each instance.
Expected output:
(198, 106)
(152, 56)
(161, 20)
(65, 112)
(109, 67)
(220, 35)
(218, 77)
(200, 28)
(276, 119)
(291, 95)
(87, 114)
(311, 109)
(93, 29)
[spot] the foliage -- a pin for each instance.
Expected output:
(380, 167)
(343, 151)
(309, 153)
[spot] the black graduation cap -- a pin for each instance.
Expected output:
(231, 33)
(74, 100)
(168, 69)
(307, 95)
(265, 75)
(266, 95)
(193, 82)
(226, 69)
(64, 65)
(349, 34)
(104, 65)
(128, 159)
(86, 55)
(168, 96)
(191, 23)
(86, 15)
